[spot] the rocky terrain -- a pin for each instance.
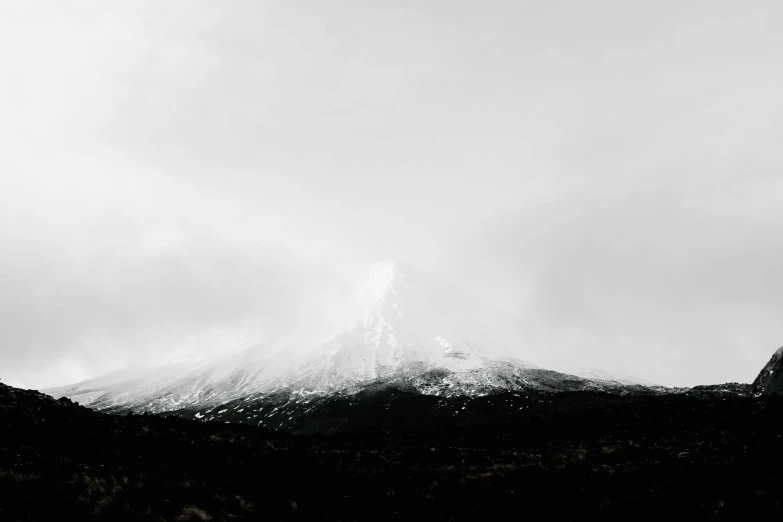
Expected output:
(713, 452)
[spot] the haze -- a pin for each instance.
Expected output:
(199, 176)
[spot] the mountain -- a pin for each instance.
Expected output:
(770, 379)
(416, 334)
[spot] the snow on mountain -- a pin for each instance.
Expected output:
(415, 331)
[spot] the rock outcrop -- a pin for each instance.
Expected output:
(770, 380)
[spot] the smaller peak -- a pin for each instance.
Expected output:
(383, 278)
(384, 272)
(388, 272)
(389, 265)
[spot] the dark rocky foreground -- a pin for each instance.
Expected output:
(709, 453)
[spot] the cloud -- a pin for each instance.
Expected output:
(660, 283)
(105, 263)
(115, 307)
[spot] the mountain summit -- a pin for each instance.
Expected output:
(411, 322)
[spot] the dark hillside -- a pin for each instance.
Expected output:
(570, 456)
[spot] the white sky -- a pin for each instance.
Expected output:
(203, 174)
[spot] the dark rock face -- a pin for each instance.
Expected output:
(770, 380)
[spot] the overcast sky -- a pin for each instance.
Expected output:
(201, 175)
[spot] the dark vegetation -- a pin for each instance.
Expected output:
(712, 453)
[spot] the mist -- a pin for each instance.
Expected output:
(201, 177)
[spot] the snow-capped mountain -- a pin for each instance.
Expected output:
(416, 333)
